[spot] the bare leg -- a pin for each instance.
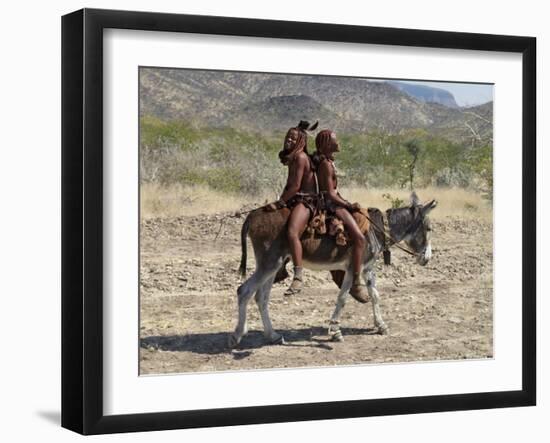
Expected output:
(297, 223)
(358, 290)
(356, 236)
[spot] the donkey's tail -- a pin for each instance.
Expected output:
(244, 233)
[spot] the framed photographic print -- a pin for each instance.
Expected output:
(270, 221)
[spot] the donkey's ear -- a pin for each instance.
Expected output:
(428, 207)
(415, 201)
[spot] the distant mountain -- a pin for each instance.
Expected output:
(465, 124)
(427, 94)
(281, 111)
(274, 102)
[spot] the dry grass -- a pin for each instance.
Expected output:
(176, 200)
(451, 202)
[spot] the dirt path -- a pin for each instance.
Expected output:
(188, 303)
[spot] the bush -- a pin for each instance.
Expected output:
(395, 202)
(233, 161)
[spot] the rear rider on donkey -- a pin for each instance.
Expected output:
(299, 195)
(327, 145)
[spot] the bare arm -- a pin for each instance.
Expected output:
(326, 183)
(295, 174)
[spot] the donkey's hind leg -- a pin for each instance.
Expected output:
(245, 293)
(262, 300)
(334, 331)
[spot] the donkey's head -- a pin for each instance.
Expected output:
(411, 224)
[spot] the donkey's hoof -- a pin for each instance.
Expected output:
(337, 336)
(277, 339)
(383, 330)
(233, 341)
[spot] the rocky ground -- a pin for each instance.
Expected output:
(188, 303)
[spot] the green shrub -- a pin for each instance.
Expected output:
(395, 202)
(230, 160)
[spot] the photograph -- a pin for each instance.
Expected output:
(303, 221)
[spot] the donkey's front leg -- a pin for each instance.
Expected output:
(370, 280)
(334, 331)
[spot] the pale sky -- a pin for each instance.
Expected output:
(466, 94)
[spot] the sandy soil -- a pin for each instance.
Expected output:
(188, 303)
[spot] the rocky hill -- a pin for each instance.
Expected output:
(277, 112)
(272, 102)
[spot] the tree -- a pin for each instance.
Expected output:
(413, 148)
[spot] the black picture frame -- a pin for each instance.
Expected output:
(82, 218)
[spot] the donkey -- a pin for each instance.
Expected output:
(266, 230)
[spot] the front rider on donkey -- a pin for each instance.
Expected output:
(299, 195)
(327, 145)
